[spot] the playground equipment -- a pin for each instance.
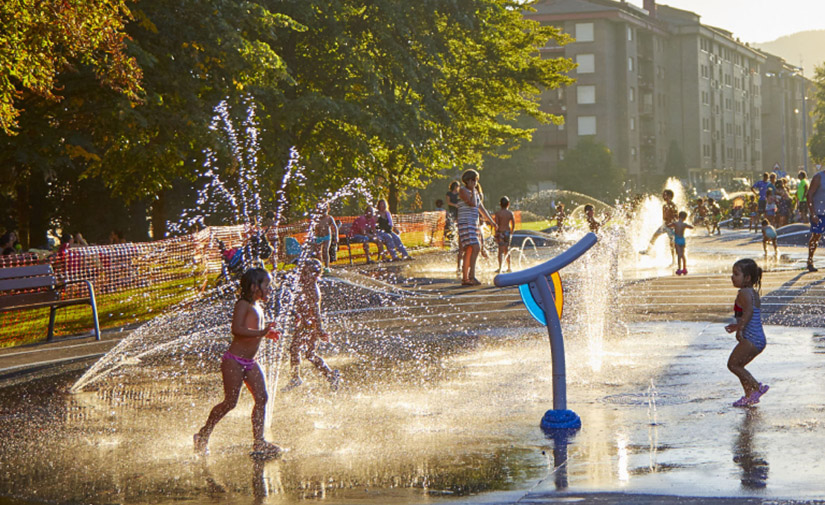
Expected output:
(541, 291)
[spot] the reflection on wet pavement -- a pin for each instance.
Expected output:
(656, 417)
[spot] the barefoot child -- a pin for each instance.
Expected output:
(505, 226)
(768, 236)
(326, 232)
(748, 327)
(308, 328)
(238, 365)
(679, 242)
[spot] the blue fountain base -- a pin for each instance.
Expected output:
(558, 420)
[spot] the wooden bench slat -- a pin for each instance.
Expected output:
(27, 283)
(27, 271)
(44, 304)
(24, 299)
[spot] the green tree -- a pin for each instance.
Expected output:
(675, 161)
(397, 93)
(816, 144)
(40, 40)
(195, 54)
(588, 168)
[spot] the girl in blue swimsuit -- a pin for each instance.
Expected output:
(748, 327)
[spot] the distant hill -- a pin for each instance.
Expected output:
(804, 49)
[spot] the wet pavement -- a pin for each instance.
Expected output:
(442, 402)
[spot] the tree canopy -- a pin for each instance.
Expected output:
(392, 92)
(588, 168)
(40, 40)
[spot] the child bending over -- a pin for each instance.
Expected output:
(768, 236)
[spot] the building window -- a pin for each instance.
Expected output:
(705, 124)
(631, 94)
(586, 62)
(586, 94)
(629, 33)
(630, 64)
(706, 150)
(633, 124)
(587, 125)
(705, 98)
(561, 154)
(584, 32)
(633, 153)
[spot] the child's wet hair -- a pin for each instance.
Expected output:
(749, 268)
(682, 215)
(505, 202)
(765, 222)
(469, 174)
(251, 279)
(668, 193)
(588, 208)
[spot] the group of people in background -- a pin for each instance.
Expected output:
(775, 208)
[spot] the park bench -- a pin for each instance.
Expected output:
(345, 239)
(35, 286)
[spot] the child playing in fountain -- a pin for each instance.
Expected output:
(669, 215)
(238, 365)
(505, 226)
(308, 328)
(679, 242)
(748, 327)
(768, 236)
(595, 225)
(326, 232)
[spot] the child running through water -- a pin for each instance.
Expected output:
(238, 365)
(505, 226)
(748, 327)
(679, 242)
(308, 328)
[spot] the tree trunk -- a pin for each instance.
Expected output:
(159, 216)
(23, 212)
(392, 198)
(40, 211)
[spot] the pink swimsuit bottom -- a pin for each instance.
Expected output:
(247, 364)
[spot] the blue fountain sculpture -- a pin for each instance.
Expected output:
(540, 288)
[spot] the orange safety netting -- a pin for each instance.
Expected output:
(134, 282)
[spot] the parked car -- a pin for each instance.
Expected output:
(718, 194)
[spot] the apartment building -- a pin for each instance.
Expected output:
(651, 77)
(619, 94)
(786, 118)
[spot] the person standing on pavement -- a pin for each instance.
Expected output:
(802, 196)
(816, 206)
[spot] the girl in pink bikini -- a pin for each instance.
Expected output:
(238, 365)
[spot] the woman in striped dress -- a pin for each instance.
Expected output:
(469, 205)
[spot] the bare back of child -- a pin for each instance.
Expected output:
(505, 226)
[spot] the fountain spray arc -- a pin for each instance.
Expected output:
(540, 289)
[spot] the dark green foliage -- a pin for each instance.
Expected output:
(588, 168)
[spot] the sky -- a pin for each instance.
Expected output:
(755, 20)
